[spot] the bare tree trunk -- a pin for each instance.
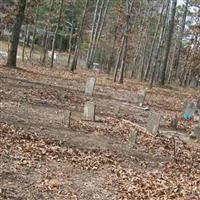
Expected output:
(138, 48)
(80, 39)
(99, 32)
(178, 46)
(45, 46)
(119, 59)
(159, 46)
(92, 34)
(34, 32)
(153, 44)
(24, 42)
(12, 54)
(56, 32)
(70, 46)
(169, 40)
(112, 50)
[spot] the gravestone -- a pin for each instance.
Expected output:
(153, 123)
(196, 133)
(198, 103)
(189, 110)
(90, 85)
(174, 122)
(133, 137)
(141, 97)
(3, 55)
(89, 111)
(67, 118)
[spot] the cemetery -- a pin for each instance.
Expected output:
(99, 100)
(79, 112)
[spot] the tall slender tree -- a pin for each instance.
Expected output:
(168, 42)
(12, 53)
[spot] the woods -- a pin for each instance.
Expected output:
(122, 31)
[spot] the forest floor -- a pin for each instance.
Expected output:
(41, 159)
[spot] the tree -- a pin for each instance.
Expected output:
(12, 54)
(168, 42)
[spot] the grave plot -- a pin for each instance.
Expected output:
(101, 153)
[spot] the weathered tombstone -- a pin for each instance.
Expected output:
(174, 122)
(196, 133)
(153, 122)
(133, 137)
(198, 103)
(67, 118)
(141, 97)
(89, 111)
(96, 67)
(189, 111)
(90, 85)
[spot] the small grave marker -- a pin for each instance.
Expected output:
(196, 133)
(198, 103)
(153, 122)
(90, 85)
(141, 97)
(174, 122)
(67, 118)
(89, 111)
(133, 137)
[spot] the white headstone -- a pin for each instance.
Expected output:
(67, 118)
(141, 97)
(153, 123)
(90, 85)
(89, 111)
(133, 137)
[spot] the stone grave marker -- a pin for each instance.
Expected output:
(141, 97)
(67, 118)
(174, 122)
(133, 137)
(198, 103)
(90, 85)
(153, 123)
(196, 133)
(89, 111)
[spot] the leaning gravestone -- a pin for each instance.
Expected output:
(89, 111)
(90, 85)
(67, 118)
(141, 97)
(133, 137)
(153, 123)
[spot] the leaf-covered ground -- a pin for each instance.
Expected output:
(41, 159)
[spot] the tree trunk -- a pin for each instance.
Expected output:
(178, 46)
(45, 46)
(70, 46)
(159, 46)
(92, 34)
(99, 32)
(12, 54)
(24, 43)
(80, 39)
(119, 59)
(169, 41)
(56, 32)
(153, 45)
(34, 32)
